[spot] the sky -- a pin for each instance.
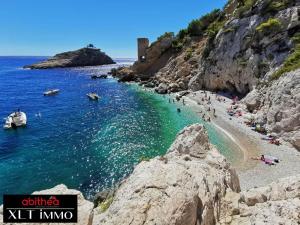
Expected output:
(47, 27)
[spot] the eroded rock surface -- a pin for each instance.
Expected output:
(275, 204)
(186, 186)
(278, 105)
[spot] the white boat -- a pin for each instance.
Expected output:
(14, 120)
(51, 92)
(93, 96)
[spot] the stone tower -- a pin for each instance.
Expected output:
(143, 44)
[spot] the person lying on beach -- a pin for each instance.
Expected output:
(275, 142)
(267, 160)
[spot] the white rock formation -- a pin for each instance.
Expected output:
(279, 105)
(186, 186)
(240, 55)
(276, 204)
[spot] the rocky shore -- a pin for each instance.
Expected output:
(250, 49)
(192, 184)
(82, 57)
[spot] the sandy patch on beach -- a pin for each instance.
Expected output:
(252, 173)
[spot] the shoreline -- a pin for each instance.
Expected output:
(252, 173)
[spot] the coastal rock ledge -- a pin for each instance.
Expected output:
(192, 184)
(81, 57)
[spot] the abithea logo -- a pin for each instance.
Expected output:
(40, 208)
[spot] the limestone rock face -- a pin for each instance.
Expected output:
(186, 186)
(84, 207)
(81, 57)
(240, 55)
(277, 203)
(181, 67)
(279, 105)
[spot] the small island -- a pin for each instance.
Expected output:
(88, 56)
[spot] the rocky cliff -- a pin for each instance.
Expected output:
(192, 184)
(278, 105)
(249, 48)
(246, 46)
(186, 186)
(81, 57)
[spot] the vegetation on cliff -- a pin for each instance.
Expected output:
(292, 62)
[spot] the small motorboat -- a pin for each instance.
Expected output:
(51, 92)
(14, 120)
(93, 96)
(103, 76)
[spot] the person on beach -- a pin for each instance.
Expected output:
(267, 161)
(208, 119)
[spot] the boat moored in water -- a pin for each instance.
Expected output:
(93, 96)
(15, 119)
(51, 92)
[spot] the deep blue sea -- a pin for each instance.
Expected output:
(84, 144)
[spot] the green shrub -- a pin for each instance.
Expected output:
(103, 206)
(269, 26)
(244, 6)
(198, 27)
(189, 54)
(177, 45)
(296, 38)
(144, 158)
(195, 28)
(214, 28)
(291, 63)
(166, 35)
(182, 34)
(275, 5)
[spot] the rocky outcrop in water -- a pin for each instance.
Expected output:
(78, 58)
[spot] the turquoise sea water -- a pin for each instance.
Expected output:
(84, 144)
